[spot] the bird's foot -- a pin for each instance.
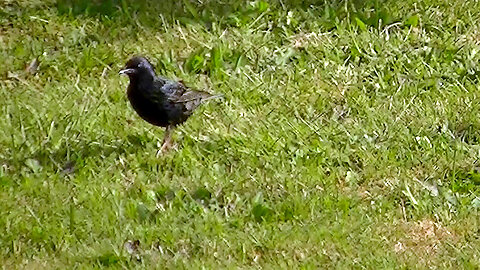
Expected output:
(167, 141)
(163, 150)
(166, 147)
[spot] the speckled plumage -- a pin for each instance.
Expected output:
(160, 101)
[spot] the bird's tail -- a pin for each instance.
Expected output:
(213, 97)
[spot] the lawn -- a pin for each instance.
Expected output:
(349, 136)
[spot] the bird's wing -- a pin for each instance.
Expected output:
(173, 90)
(191, 99)
(182, 96)
(192, 95)
(177, 92)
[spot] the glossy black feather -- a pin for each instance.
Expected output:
(157, 100)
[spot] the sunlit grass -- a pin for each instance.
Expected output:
(349, 136)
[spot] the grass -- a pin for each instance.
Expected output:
(349, 136)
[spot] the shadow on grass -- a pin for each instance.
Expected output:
(70, 158)
(223, 12)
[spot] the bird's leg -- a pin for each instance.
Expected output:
(167, 139)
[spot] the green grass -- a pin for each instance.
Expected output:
(349, 136)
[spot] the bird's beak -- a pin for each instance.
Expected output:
(126, 71)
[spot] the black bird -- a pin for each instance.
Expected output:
(160, 101)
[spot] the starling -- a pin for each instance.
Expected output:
(160, 101)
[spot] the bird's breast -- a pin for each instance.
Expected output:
(148, 108)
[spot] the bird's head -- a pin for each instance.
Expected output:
(137, 66)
